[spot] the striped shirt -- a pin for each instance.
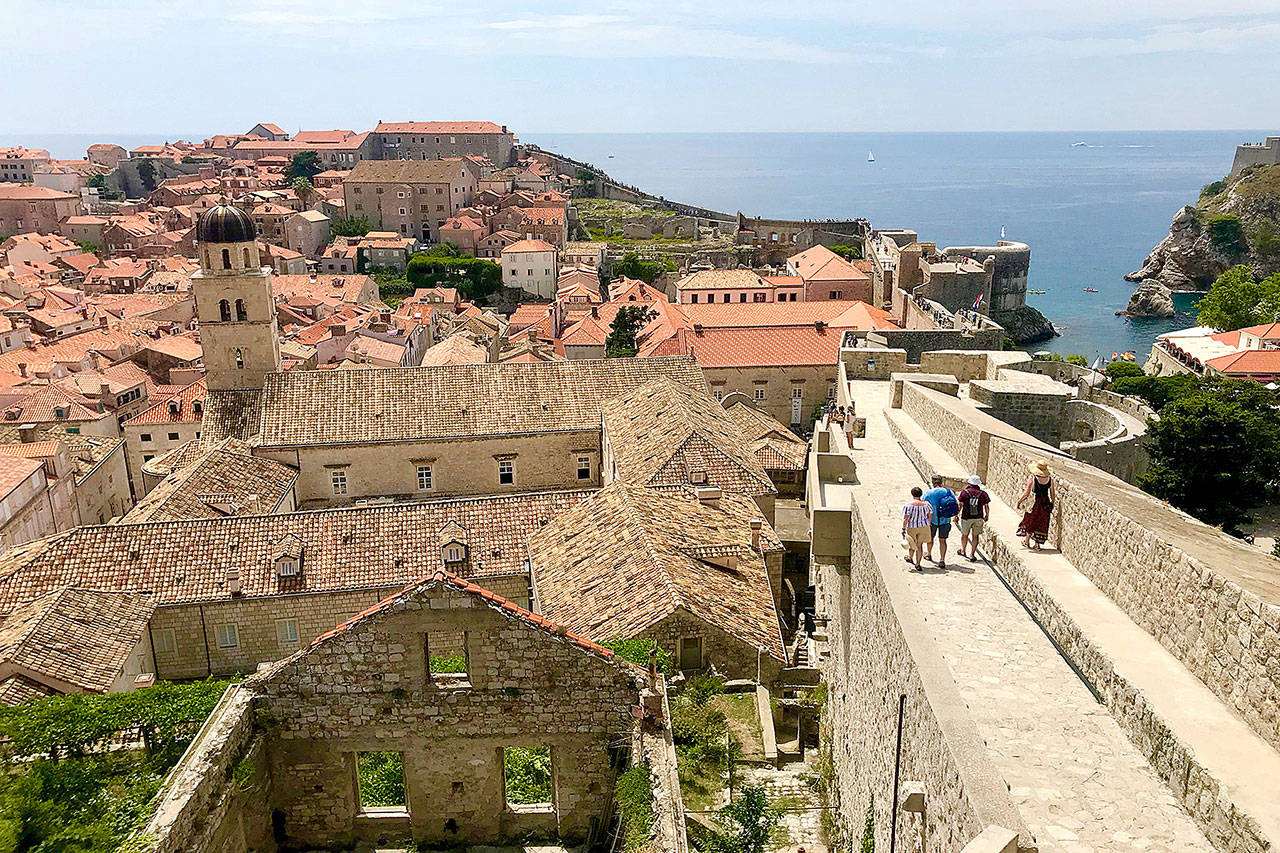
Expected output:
(917, 515)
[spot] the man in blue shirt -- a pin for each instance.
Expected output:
(945, 507)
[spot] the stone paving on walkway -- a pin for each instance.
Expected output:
(802, 821)
(1078, 782)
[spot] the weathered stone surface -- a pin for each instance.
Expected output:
(1151, 299)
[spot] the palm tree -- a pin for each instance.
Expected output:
(303, 189)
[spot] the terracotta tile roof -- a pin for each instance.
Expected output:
(758, 347)
(350, 548)
(180, 457)
(840, 314)
(774, 454)
(52, 403)
(31, 192)
(404, 404)
(32, 449)
(543, 215)
(458, 348)
(821, 264)
(405, 172)
(162, 413)
(736, 279)
(589, 331)
(667, 434)
(628, 557)
(17, 689)
(529, 246)
(225, 479)
(344, 288)
(181, 347)
(437, 127)
(14, 471)
(1249, 362)
(757, 423)
(75, 639)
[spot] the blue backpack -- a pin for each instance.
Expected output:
(948, 506)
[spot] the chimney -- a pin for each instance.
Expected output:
(821, 326)
(102, 321)
(104, 390)
(697, 329)
(27, 432)
(756, 525)
(22, 369)
(595, 312)
(233, 581)
(709, 496)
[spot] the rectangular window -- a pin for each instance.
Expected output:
(163, 641)
(758, 394)
(760, 297)
(719, 393)
(691, 653)
(693, 299)
(228, 636)
(506, 472)
(584, 467)
(742, 297)
(287, 633)
(424, 478)
(726, 298)
(146, 436)
(447, 658)
(528, 780)
(173, 436)
(380, 783)
(835, 294)
(339, 479)
(797, 392)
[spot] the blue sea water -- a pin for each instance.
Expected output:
(1090, 214)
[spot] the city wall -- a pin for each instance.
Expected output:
(880, 649)
(216, 796)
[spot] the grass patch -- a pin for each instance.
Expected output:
(633, 798)
(742, 720)
(705, 749)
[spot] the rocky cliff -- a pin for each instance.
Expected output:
(1151, 299)
(1235, 221)
(1026, 325)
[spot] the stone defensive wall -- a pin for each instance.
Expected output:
(1211, 602)
(880, 649)
(1114, 448)
(215, 798)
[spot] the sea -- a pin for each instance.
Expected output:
(1090, 204)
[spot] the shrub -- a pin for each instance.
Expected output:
(1117, 369)
(1212, 188)
(528, 774)
(637, 650)
(1227, 234)
(633, 798)
(381, 779)
(848, 252)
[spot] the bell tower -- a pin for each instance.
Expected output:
(233, 302)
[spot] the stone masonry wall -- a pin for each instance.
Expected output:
(368, 689)
(961, 440)
(878, 650)
(721, 651)
(202, 808)
(1227, 636)
(196, 652)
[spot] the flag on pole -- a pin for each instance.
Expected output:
(977, 303)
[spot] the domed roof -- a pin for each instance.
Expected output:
(225, 223)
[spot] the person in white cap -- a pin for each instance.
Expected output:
(975, 509)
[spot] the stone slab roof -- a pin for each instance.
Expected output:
(225, 479)
(667, 434)
(452, 401)
(629, 557)
(74, 639)
(349, 548)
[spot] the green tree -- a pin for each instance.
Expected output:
(1215, 450)
(1266, 239)
(92, 248)
(1238, 299)
(147, 176)
(636, 650)
(1227, 234)
(632, 267)
(745, 825)
(99, 182)
(626, 325)
(848, 251)
(1118, 369)
(1157, 391)
(305, 164)
(303, 189)
(350, 226)
(441, 266)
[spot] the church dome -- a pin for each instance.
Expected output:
(225, 223)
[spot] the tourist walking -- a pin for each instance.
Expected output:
(915, 527)
(1035, 521)
(975, 511)
(945, 507)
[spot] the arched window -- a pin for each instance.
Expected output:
(224, 310)
(240, 359)
(226, 259)
(246, 257)
(240, 312)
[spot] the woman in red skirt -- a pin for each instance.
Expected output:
(1035, 522)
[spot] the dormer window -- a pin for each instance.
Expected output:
(454, 552)
(286, 567)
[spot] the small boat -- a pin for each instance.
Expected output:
(871, 158)
(1091, 290)
(1079, 145)
(610, 156)
(1036, 291)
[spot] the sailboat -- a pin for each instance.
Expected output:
(1001, 232)
(871, 158)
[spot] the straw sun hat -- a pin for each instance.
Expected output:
(1040, 468)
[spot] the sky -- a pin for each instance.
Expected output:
(198, 67)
